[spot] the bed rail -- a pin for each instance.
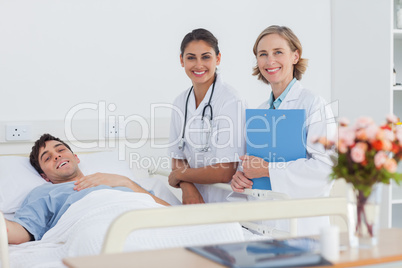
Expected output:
(130, 221)
(259, 194)
(3, 243)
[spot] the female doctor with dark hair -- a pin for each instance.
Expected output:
(207, 120)
(280, 64)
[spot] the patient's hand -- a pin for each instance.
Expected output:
(112, 180)
(240, 182)
(191, 195)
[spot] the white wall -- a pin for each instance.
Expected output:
(58, 54)
(361, 58)
(362, 66)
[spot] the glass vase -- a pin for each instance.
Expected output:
(364, 217)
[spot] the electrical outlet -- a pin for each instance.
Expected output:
(111, 130)
(18, 132)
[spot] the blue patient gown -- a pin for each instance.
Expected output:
(44, 205)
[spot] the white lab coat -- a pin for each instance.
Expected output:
(226, 142)
(307, 177)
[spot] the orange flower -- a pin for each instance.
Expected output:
(390, 165)
(386, 145)
(395, 148)
(377, 145)
(386, 127)
(342, 148)
(361, 134)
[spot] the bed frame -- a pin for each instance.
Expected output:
(204, 214)
(123, 225)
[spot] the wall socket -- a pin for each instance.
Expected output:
(18, 132)
(113, 131)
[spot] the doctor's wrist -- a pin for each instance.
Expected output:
(187, 186)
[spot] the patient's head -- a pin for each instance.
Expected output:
(54, 160)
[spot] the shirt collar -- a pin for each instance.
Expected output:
(274, 104)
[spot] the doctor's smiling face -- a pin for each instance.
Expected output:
(276, 61)
(58, 163)
(199, 61)
(279, 58)
(199, 55)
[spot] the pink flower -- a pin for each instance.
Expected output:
(380, 158)
(389, 135)
(364, 122)
(347, 135)
(371, 132)
(357, 154)
(362, 145)
(390, 165)
(391, 118)
(342, 147)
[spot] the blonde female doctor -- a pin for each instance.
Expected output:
(279, 64)
(206, 124)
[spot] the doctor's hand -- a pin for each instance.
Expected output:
(240, 182)
(97, 179)
(191, 195)
(254, 167)
(175, 175)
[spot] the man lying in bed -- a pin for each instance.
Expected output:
(43, 207)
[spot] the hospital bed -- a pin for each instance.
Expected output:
(129, 221)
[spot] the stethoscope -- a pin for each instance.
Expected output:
(181, 143)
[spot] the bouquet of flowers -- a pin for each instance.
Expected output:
(367, 154)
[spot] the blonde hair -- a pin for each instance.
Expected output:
(294, 44)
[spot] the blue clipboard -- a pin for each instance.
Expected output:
(276, 136)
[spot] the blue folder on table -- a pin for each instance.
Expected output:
(293, 252)
(276, 136)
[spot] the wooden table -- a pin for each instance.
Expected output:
(389, 249)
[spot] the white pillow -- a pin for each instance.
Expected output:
(18, 177)
(104, 162)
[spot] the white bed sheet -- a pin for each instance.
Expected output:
(81, 231)
(159, 189)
